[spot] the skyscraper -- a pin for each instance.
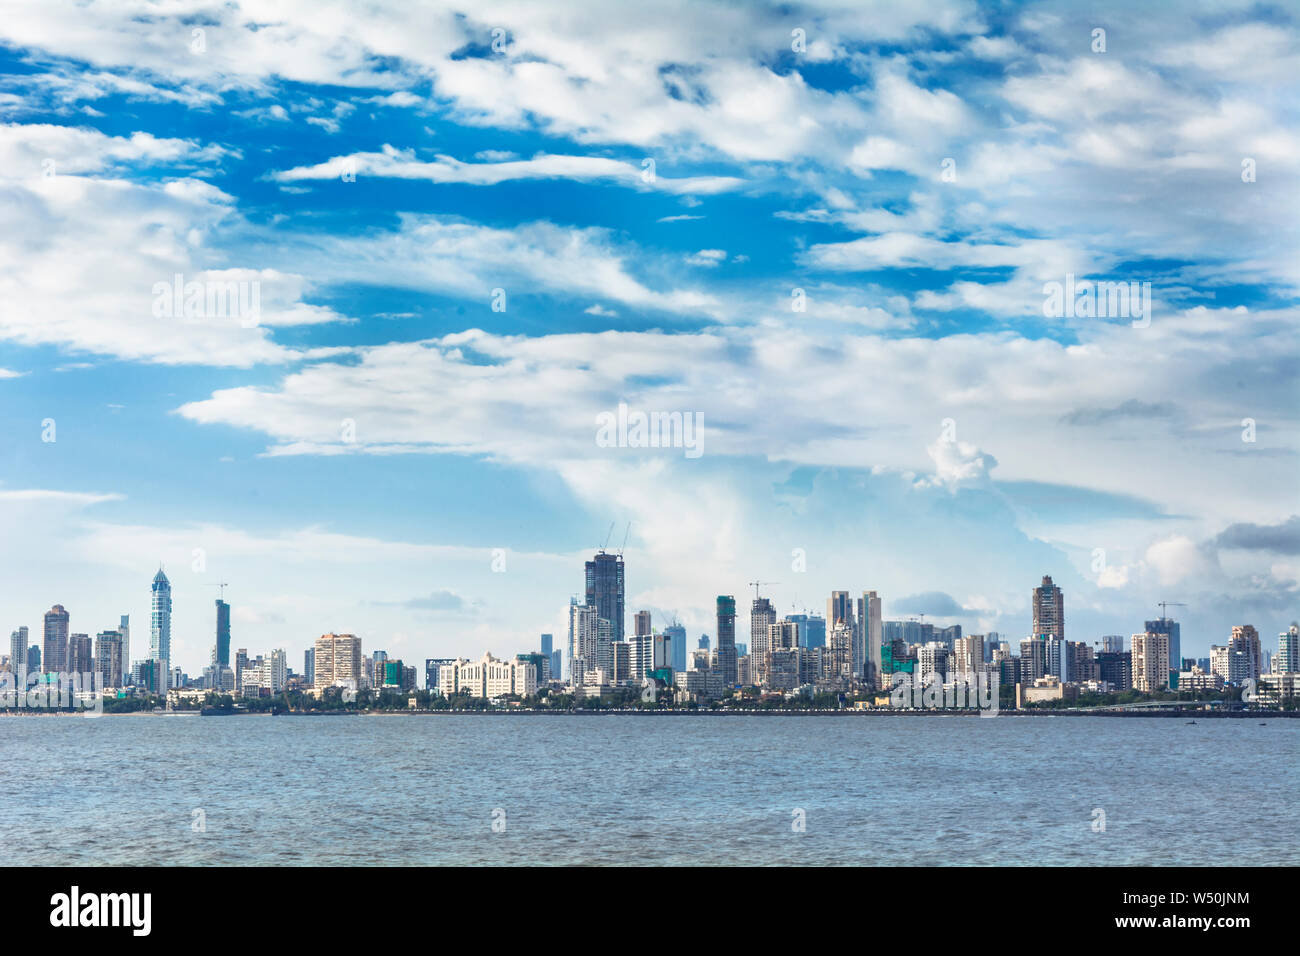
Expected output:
(1049, 610)
(160, 622)
(761, 618)
(54, 650)
(605, 590)
(1169, 627)
(18, 656)
(871, 634)
(309, 666)
(726, 652)
(221, 651)
(124, 628)
(108, 657)
(1288, 651)
(584, 637)
(677, 634)
(547, 641)
(80, 654)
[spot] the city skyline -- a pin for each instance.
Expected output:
(851, 253)
(863, 646)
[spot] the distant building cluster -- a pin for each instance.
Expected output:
(850, 650)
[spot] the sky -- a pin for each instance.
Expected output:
(827, 232)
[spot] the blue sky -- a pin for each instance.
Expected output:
(921, 428)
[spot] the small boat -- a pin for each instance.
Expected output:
(1189, 723)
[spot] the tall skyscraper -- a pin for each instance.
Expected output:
(762, 615)
(677, 634)
(726, 652)
(839, 609)
(871, 633)
(18, 656)
(605, 590)
(642, 623)
(309, 666)
(1288, 651)
(1049, 610)
(221, 651)
(124, 628)
(547, 641)
(160, 622)
(108, 657)
(1169, 627)
(54, 649)
(584, 640)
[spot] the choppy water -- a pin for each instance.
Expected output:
(622, 789)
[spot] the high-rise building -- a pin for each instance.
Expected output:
(584, 637)
(18, 656)
(124, 628)
(1150, 661)
(1245, 640)
(108, 657)
(1113, 644)
(160, 622)
(338, 661)
(1033, 659)
(871, 633)
(838, 656)
(726, 652)
(309, 666)
(221, 652)
(703, 643)
(762, 615)
(54, 650)
(1049, 610)
(968, 654)
(33, 659)
(547, 641)
(642, 623)
(1288, 651)
(81, 657)
(812, 629)
(839, 609)
(677, 634)
(1169, 627)
(605, 590)
(1114, 667)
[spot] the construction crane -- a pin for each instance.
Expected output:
(757, 584)
(1168, 604)
(223, 585)
(607, 536)
(625, 534)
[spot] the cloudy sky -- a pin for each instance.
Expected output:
(472, 229)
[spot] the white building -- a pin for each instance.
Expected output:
(488, 677)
